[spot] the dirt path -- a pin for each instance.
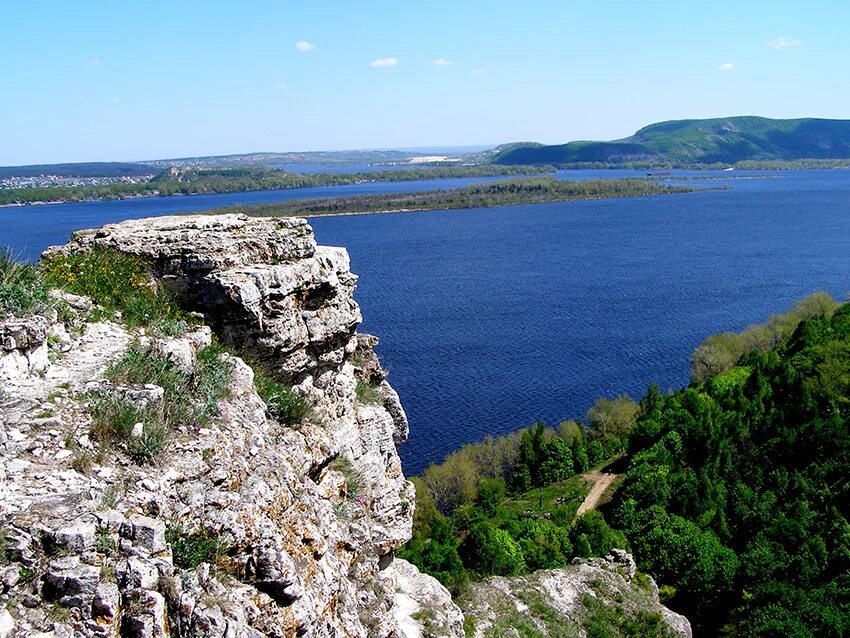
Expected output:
(601, 482)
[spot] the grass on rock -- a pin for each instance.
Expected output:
(189, 399)
(368, 393)
(117, 282)
(281, 402)
(22, 288)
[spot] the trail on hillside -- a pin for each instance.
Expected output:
(601, 482)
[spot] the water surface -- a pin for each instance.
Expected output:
(490, 319)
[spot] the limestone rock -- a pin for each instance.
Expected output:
(276, 530)
(71, 582)
(570, 597)
(23, 346)
(423, 607)
(7, 623)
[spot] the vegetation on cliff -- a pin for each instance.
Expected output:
(503, 193)
(727, 140)
(734, 496)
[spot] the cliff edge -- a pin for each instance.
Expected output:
(239, 525)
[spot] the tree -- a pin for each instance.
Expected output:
(612, 418)
(491, 494)
(557, 463)
(489, 550)
(453, 482)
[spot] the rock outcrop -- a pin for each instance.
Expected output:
(595, 596)
(295, 527)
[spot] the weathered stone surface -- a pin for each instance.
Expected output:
(305, 519)
(423, 607)
(145, 532)
(106, 603)
(23, 346)
(7, 624)
(569, 597)
(146, 615)
(77, 537)
(71, 582)
(201, 243)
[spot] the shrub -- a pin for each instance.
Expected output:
(22, 288)
(190, 549)
(367, 393)
(281, 402)
(117, 282)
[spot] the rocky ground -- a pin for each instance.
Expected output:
(244, 524)
(293, 528)
(592, 597)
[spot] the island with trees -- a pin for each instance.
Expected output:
(502, 193)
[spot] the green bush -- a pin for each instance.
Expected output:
(22, 288)
(190, 549)
(117, 282)
(281, 402)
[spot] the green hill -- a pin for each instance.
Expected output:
(78, 169)
(728, 140)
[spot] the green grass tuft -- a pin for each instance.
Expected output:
(368, 393)
(23, 290)
(281, 402)
(189, 400)
(117, 282)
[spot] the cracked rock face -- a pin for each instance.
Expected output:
(566, 601)
(304, 521)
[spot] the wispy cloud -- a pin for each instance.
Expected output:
(381, 62)
(95, 62)
(304, 46)
(478, 71)
(442, 62)
(281, 85)
(783, 43)
(726, 66)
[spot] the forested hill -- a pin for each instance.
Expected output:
(733, 493)
(79, 169)
(727, 140)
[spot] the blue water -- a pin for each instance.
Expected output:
(493, 318)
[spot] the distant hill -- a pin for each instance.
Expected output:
(728, 140)
(81, 169)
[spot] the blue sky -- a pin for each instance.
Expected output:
(87, 81)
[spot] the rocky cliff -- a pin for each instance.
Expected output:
(294, 528)
(592, 597)
(231, 520)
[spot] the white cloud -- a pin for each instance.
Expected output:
(442, 62)
(380, 62)
(726, 66)
(783, 43)
(478, 71)
(95, 62)
(304, 46)
(281, 85)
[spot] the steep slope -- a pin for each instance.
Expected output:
(591, 597)
(246, 526)
(728, 140)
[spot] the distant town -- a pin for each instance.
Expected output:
(57, 181)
